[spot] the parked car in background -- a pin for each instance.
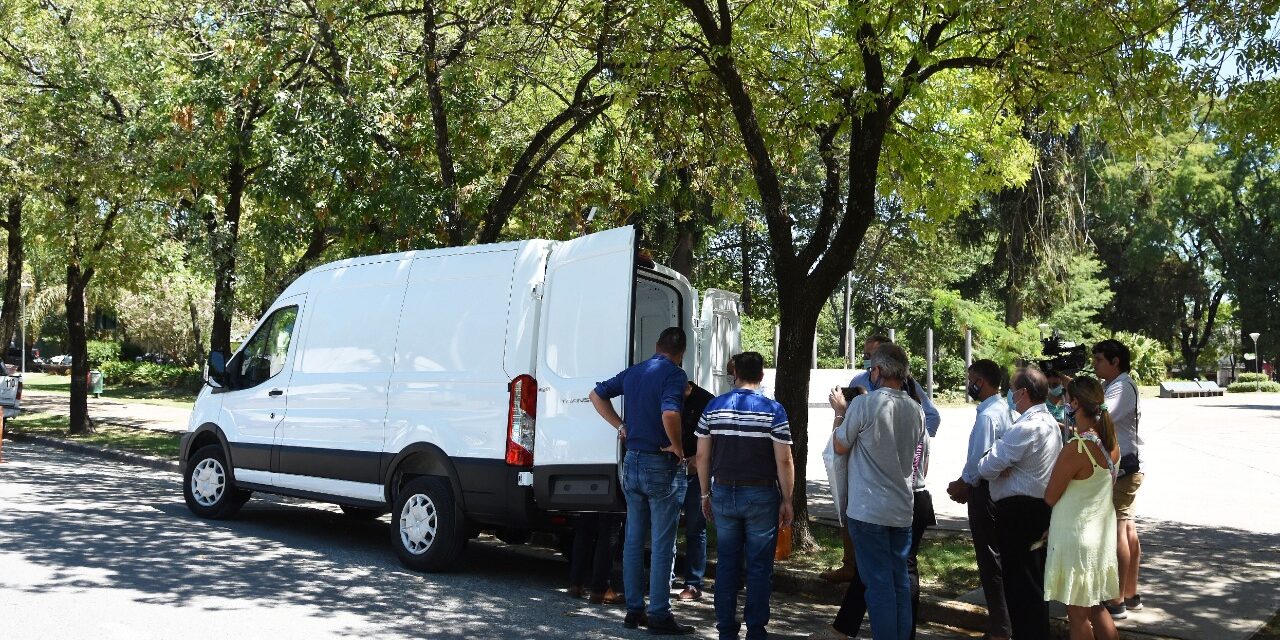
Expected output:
(57, 364)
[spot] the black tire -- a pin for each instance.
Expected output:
(361, 513)
(426, 534)
(207, 485)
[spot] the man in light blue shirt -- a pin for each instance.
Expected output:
(931, 416)
(970, 488)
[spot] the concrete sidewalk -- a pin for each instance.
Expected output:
(140, 415)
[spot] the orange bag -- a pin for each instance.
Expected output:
(783, 550)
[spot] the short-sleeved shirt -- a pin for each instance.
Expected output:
(648, 389)
(694, 405)
(1122, 404)
(883, 429)
(743, 425)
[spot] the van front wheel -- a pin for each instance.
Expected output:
(207, 486)
(424, 529)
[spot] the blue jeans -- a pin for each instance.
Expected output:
(882, 564)
(654, 486)
(695, 536)
(746, 525)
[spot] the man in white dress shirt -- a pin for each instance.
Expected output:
(1018, 468)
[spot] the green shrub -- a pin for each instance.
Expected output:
(1148, 359)
(137, 374)
(1252, 377)
(1249, 387)
(101, 351)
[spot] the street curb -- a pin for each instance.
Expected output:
(160, 464)
(952, 613)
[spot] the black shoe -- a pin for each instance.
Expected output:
(669, 627)
(636, 619)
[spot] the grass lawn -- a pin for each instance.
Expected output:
(150, 395)
(151, 443)
(946, 561)
(947, 565)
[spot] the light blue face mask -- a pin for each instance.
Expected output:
(866, 364)
(1056, 390)
(1009, 401)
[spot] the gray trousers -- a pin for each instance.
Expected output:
(982, 524)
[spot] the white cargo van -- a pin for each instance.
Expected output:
(449, 387)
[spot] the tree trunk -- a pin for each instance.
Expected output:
(195, 331)
(224, 239)
(1012, 204)
(798, 323)
(745, 235)
(77, 344)
(9, 319)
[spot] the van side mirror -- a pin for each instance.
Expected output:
(215, 369)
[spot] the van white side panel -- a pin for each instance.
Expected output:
(449, 386)
(720, 336)
(338, 393)
(584, 339)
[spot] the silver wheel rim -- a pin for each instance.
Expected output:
(418, 520)
(208, 482)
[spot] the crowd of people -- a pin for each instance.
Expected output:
(1049, 481)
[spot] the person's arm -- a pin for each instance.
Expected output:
(931, 416)
(786, 482)
(781, 436)
(604, 407)
(672, 410)
(1005, 452)
(1121, 403)
(702, 460)
(1064, 470)
(980, 441)
(847, 433)
(671, 424)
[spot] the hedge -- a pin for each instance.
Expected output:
(1252, 377)
(137, 374)
(1247, 387)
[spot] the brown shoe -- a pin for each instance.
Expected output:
(690, 594)
(845, 573)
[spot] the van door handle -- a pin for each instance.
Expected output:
(275, 392)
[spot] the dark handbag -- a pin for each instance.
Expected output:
(1129, 464)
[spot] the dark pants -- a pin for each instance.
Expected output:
(853, 608)
(1023, 521)
(983, 526)
(594, 540)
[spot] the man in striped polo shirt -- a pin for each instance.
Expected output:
(746, 477)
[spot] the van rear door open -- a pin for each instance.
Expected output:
(719, 337)
(584, 338)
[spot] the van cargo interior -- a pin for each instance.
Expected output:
(657, 306)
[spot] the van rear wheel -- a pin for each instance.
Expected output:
(207, 486)
(425, 531)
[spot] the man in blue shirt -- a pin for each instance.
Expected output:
(744, 452)
(970, 488)
(653, 474)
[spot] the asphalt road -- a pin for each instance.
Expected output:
(96, 549)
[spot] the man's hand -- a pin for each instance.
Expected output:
(622, 431)
(675, 449)
(706, 509)
(837, 401)
(785, 514)
(959, 491)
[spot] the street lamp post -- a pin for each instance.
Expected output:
(22, 325)
(1257, 359)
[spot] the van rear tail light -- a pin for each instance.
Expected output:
(521, 419)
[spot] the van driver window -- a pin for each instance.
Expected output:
(264, 354)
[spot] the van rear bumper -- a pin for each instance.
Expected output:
(578, 487)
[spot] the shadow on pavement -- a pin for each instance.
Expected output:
(135, 533)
